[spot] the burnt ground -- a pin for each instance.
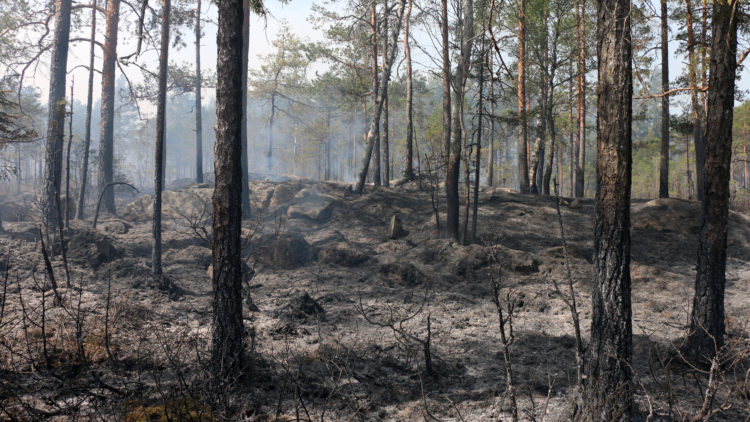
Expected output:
(341, 311)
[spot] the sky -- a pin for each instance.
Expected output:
(262, 32)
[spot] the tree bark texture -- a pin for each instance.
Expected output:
(198, 103)
(245, 198)
(697, 111)
(56, 115)
(459, 86)
(378, 107)
(446, 80)
(107, 124)
(89, 104)
(228, 330)
(707, 322)
(664, 155)
(580, 152)
(161, 111)
(409, 169)
(523, 130)
(609, 389)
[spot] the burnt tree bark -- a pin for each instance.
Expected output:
(378, 107)
(81, 214)
(580, 150)
(523, 132)
(446, 79)
(459, 86)
(375, 85)
(228, 330)
(107, 124)
(245, 198)
(385, 135)
(707, 320)
(161, 109)
(198, 103)
(56, 115)
(664, 155)
(409, 169)
(609, 394)
(697, 111)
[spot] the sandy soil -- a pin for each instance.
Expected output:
(343, 311)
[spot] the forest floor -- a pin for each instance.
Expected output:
(342, 313)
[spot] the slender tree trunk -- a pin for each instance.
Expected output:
(107, 124)
(375, 85)
(68, 199)
(491, 139)
(161, 110)
(378, 107)
(707, 322)
(697, 112)
(409, 170)
(245, 198)
(56, 115)
(480, 117)
(580, 155)
(573, 134)
(523, 134)
(89, 103)
(385, 137)
(228, 330)
(198, 104)
(459, 86)
(446, 80)
(609, 384)
(664, 156)
(328, 145)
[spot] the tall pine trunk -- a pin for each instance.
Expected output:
(664, 155)
(228, 331)
(580, 152)
(89, 104)
(107, 124)
(378, 106)
(245, 197)
(523, 134)
(56, 115)
(161, 110)
(198, 104)
(446, 80)
(609, 383)
(409, 169)
(459, 86)
(697, 111)
(707, 321)
(385, 137)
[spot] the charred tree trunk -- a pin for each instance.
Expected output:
(480, 117)
(107, 124)
(386, 146)
(409, 169)
(523, 134)
(89, 104)
(609, 394)
(198, 103)
(378, 107)
(697, 112)
(580, 152)
(664, 156)
(56, 115)
(161, 110)
(707, 322)
(491, 139)
(454, 161)
(446, 80)
(228, 331)
(245, 198)
(375, 90)
(68, 199)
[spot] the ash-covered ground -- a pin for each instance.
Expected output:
(344, 310)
